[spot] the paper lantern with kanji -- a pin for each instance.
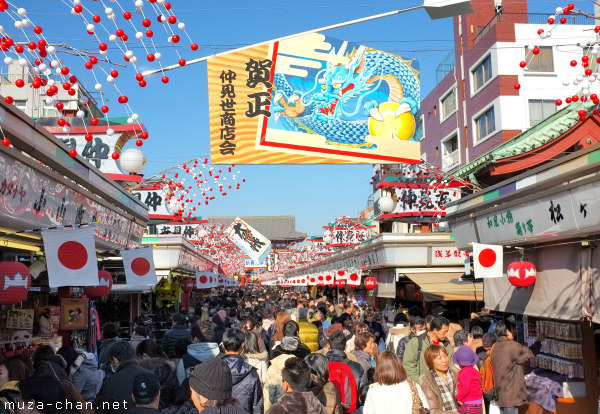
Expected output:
(340, 283)
(521, 274)
(105, 283)
(187, 285)
(370, 282)
(15, 281)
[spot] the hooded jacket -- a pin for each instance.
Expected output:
(196, 353)
(395, 334)
(260, 362)
(53, 365)
(360, 376)
(85, 376)
(272, 388)
(364, 359)
(297, 403)
(246, 384)
(290, 345)
(326, 394)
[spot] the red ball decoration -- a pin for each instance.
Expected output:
(14, 283)
(32, 45)
(370, 282)
(167, 6)
(73, 153)
(573, 63)
(144, 135)
(540, 31)
(536, 51)
(558, 102)
(120, 32)
(19, 83)
(181, 62)
(105, 283)
(96, 18)
(165, 79)
(104, 109)
(123, 99)
(175, 38)
(88, 137)
(550, 20)
(37, 30)
(595, 111)
(150, 57)
(114, 73)
(78, 9)
(9, 100)
(146, 22)
(115, 155)
(89, 65)
(60, 106)
(94, 121)
(563, 20)
(19, 49)
(172, 19)
(42, 44)
(194, 47)
(521, 274)
(127, 15)
(139, 77)
(139, 142)
(61, 122)
(597, 29)
(72, 92)
(517, 86)
(581, 112)
(588, 72)
(568, 100)
(6, 142)
(142, 83)
(64, 70)
(149, 33)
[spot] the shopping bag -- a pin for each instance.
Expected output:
(494, 408)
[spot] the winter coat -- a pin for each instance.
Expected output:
(118, 388)
(507, 357)
(272, 388)
(104, 352)
(309, 335)
(395, 334)
(187, 407)
(246, 384)
(53, 365)
(326, 394)
(196, 353)
(300, 352)
(165, 372)
(363, 359)
(414, 362)
(230, 409)
(433, 392)
(297, 403)
(349, 355)
(360, 376)
(135, 340)
(395, 398)
(171, 337)
(260, 362)
(9, 393)
(85, 376)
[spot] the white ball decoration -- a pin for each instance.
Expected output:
(110, 79)
(566, 82)
(98, 87)
(181, 26)
(139, 4)
(51, 49)
(132, 161)
(22, 12)
(76, 2)
(559, 10)
(112, 38)
(163, 18)
(84, 99)
(23, 62)
(103, 52)
(26, 22)
(18, 24)
(108, 11)
(129, 121)
(129, 54)
(80, 114)
(8, 60)
(157, 55)
(385, 204)
(110, 132)
(91, 28)
(111, 17)
(139, 35)
(1, 29)
(135, 117)
(43, 67)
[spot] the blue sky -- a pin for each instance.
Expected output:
(176, 114)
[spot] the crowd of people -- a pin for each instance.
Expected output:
(258, 351)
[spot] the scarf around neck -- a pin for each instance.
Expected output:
(446, 390)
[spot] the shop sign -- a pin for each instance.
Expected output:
(273, 262)
(155, 200)
(426, 201)
(441, 256)
(97, 151)
(191, 261)
(255, 264)
(347, 237)
(569, 212)
(186, 230)
(249, 240)
(32, 199)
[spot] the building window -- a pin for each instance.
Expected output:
(448, 104)
(450, 152)
(543, 61)
(21, 104)
(485, 124)
(482, 73)
(423, 127)
(540, 109)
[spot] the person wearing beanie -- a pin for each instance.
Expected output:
(211, 384)
(146, 394)
(297, 397)
(468, 388)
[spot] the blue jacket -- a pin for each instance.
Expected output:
(172, 336)
(247, 388)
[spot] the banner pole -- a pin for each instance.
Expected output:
(321, 29)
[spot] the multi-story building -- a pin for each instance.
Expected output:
(475, 106)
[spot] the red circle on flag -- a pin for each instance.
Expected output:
(487, 257)
(140, 266)
(353, 277)
(328, 277)
(341, 272)
(320, 278)
(203, 279)
(72, 255)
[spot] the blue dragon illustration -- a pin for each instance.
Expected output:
(343, 97)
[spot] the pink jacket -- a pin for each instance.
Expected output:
(469, 385)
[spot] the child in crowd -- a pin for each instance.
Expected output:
(469, 394)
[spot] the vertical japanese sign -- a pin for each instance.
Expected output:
(249, 240)
(313, 99)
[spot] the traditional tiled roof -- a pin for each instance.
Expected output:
(546, 131)
(272, 227)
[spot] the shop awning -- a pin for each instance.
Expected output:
(446, 286)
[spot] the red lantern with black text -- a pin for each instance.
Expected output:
(521, 274)
(105, 283)
(187, 285)
(370, 282)
(340, 283)
(15, 281)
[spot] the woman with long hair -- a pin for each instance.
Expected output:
(280, 321)
(393, 392)
(254, 357)
(321, 387)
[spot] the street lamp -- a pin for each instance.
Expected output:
(436, 9)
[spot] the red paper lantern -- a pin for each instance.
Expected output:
(15, 281)
(521, 274)
(187, 285)
(370, 282)
(104, 285)
(340, 283)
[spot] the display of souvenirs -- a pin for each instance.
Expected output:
(568, 368)
(48, 320)
(558, 330)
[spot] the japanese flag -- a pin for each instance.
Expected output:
(71, 257)
(487, 260)
(206, 280)
(139, 267)
(329, 277)
(354, 277)
(341, 274)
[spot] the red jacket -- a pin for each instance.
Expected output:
(469, 385)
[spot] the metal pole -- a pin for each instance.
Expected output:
(333, 26)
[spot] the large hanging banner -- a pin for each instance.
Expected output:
(313, 99)
(249, 240)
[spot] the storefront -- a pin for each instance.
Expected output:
(547, 216)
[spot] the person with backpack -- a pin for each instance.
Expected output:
(439, 382)
(347, 376)
(414, 355)
(401, 329)
(202, 348)
(393, 392)
(417, 327)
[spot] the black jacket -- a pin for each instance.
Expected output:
(171, 337)
(247, 388)
(54, 366)
(118, 389)
(360, 376)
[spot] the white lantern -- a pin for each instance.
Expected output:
(327, 237)
(132, 161)
(385, 204)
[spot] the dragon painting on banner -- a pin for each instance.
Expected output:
(316, 99)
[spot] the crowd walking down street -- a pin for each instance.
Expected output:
(258, 350)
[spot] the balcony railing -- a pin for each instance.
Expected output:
(531, 18)
(451, 160)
